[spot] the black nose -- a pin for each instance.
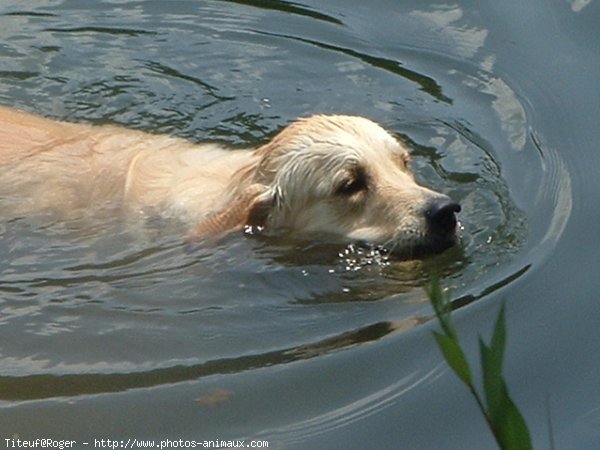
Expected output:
(441, 214)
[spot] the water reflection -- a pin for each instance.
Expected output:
(448, 20)
(427, 84)
(578, 5)
(288, 7)
(35, 387)
(354, 411)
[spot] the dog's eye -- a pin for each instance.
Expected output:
(353, 185)
(403, 160)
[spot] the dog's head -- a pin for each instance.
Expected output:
(344, 176)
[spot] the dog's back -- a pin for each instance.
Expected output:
(25, 135)
(48, 165)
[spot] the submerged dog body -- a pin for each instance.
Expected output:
(343, 176)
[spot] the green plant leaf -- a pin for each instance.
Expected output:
(507, 422)
(442, 306)
(491, 364)
(492, 380)
(498, 342)
(514, 434)
(502, 415)
(454, 356)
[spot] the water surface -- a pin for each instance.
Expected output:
(113, 331)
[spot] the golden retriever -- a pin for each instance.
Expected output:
(342, 176)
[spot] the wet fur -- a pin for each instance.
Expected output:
(339, 175)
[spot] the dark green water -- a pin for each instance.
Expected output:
(110, 334)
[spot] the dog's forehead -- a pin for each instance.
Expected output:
(353, 132)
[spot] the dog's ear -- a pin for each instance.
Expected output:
(249, 208)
